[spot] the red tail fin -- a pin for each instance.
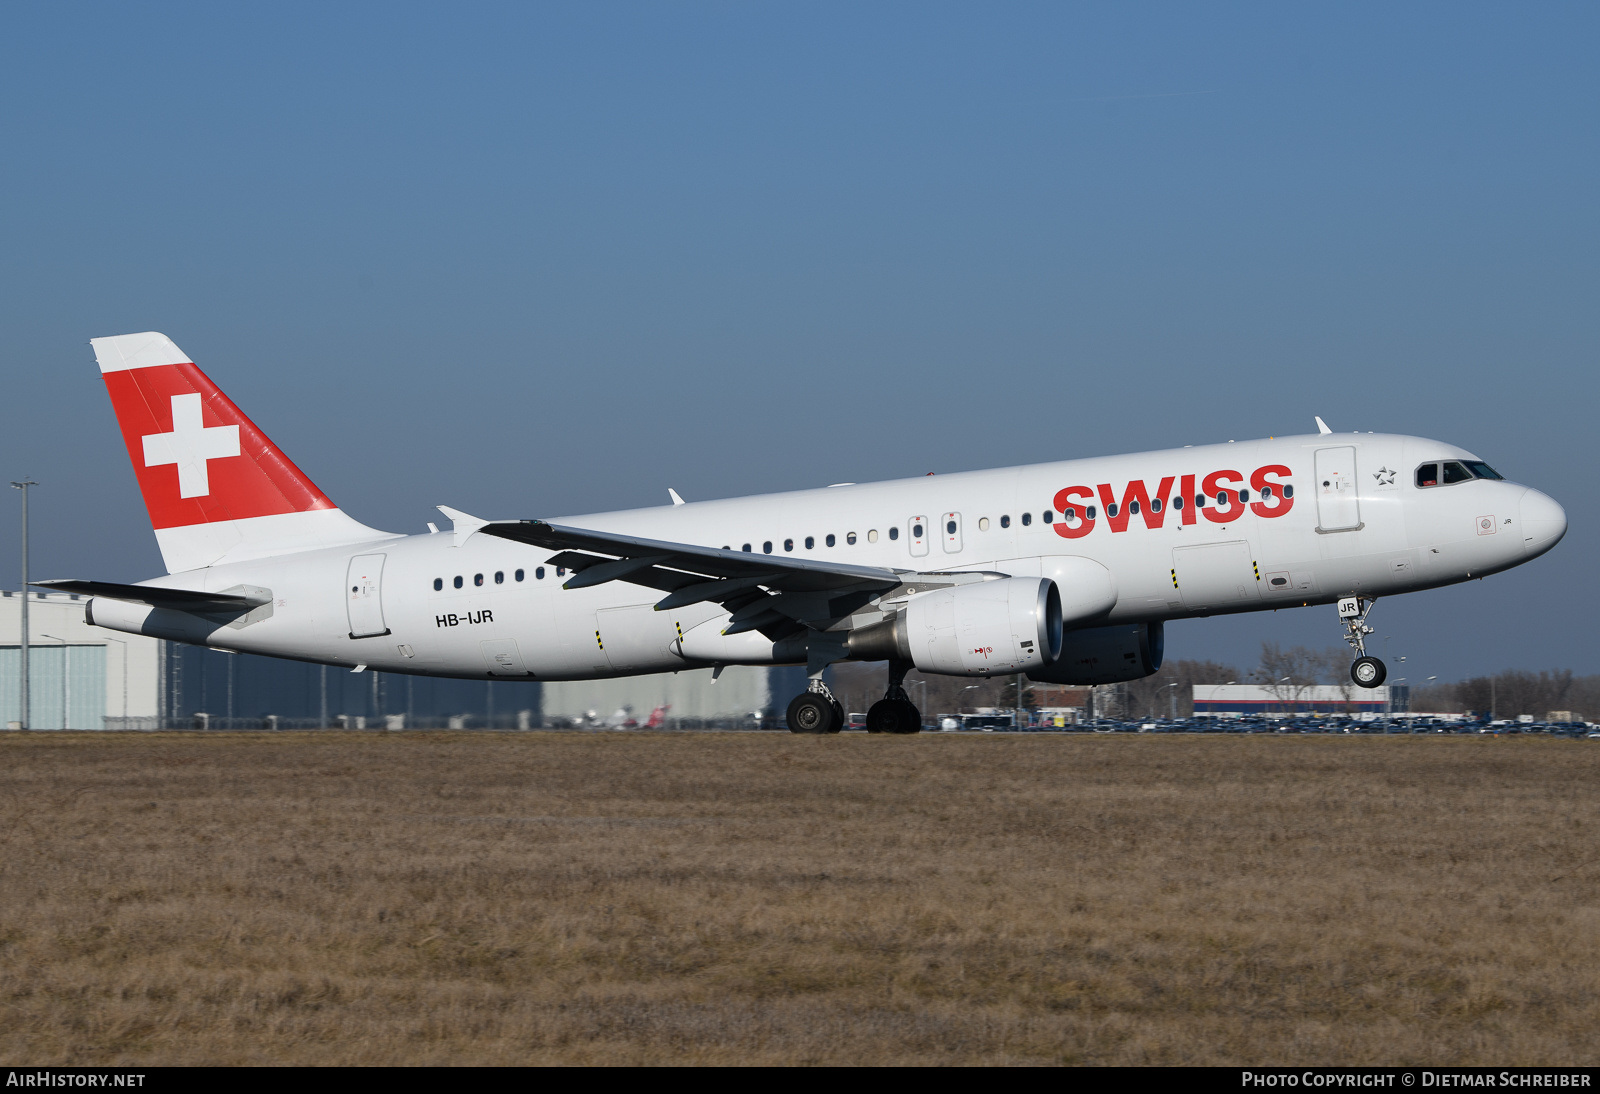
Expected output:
(200, 462)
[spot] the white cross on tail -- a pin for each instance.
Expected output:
(190, 445)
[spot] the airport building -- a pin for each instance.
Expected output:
(80, 677)
(1282, 700)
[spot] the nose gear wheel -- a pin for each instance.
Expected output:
(1367, 671)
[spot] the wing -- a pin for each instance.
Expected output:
(183, 600)
(775, 595)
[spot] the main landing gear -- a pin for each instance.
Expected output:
(895, 713)
(815, 710)
(1366, 671)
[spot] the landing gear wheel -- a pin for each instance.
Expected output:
(1368, 672)
(910, 717)
(894, 716)
(810, 712)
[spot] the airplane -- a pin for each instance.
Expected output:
(1064, 571)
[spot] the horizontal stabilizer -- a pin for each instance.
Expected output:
(183, 600)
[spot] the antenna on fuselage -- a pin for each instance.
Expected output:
(1322, 426)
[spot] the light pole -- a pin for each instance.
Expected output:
(25, 712)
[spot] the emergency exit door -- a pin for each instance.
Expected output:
(1338, 507)
(363, 596)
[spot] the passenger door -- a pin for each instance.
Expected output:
(364, 596)
(1338, 508)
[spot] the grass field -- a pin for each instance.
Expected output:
(764, 898)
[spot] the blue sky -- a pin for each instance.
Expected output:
(529, 260)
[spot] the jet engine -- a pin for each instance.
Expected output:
(1105, 655)
(987, 628)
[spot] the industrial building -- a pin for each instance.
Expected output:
(81, 677)
(1281, 700)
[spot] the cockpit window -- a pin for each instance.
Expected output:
(1481, 470)
(1428, 475)
(1455, 472)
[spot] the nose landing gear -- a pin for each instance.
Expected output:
(1366, 671)
(895, 713)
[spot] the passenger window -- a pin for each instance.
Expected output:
(850, 538)
(1069, 514)
(1288, 490)
(1089, 513)
(983, 524)
(1454, 473)
(561, 571)
(1155, 505)
(766, 548)
(519, 575)
(458, 581)
(916, 531)
(477, 579)
(788, 545)
(1133, 507)
(811, 542)
(438, 583)
(1177, 502)
(1427, 475)
(1266, 492)
(1199, 501)
(746, 548)
(894, 533)
(1111, 510)
(1047, 517)
(872, 535)
(829, 540)
(950, 527)
(1027, 519)
(499, 577)
(538, 573)
(1222, 498)
(1005, 522)
(1244, 496)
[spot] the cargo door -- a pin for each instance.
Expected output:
(1216, 575)
(951, 526)
(1338, 508)
(364, 596)
(636, 637)
(918, 531)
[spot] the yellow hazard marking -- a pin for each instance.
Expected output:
(1174, 577)
(1257, 567)
(597, 641)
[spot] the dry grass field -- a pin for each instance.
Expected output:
(762, 898)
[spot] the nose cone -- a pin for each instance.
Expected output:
(1543, 523)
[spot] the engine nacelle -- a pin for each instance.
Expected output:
(1105, 655)
(987, 628)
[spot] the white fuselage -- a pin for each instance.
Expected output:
(1374, 532)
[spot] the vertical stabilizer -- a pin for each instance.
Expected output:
(216, 487)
